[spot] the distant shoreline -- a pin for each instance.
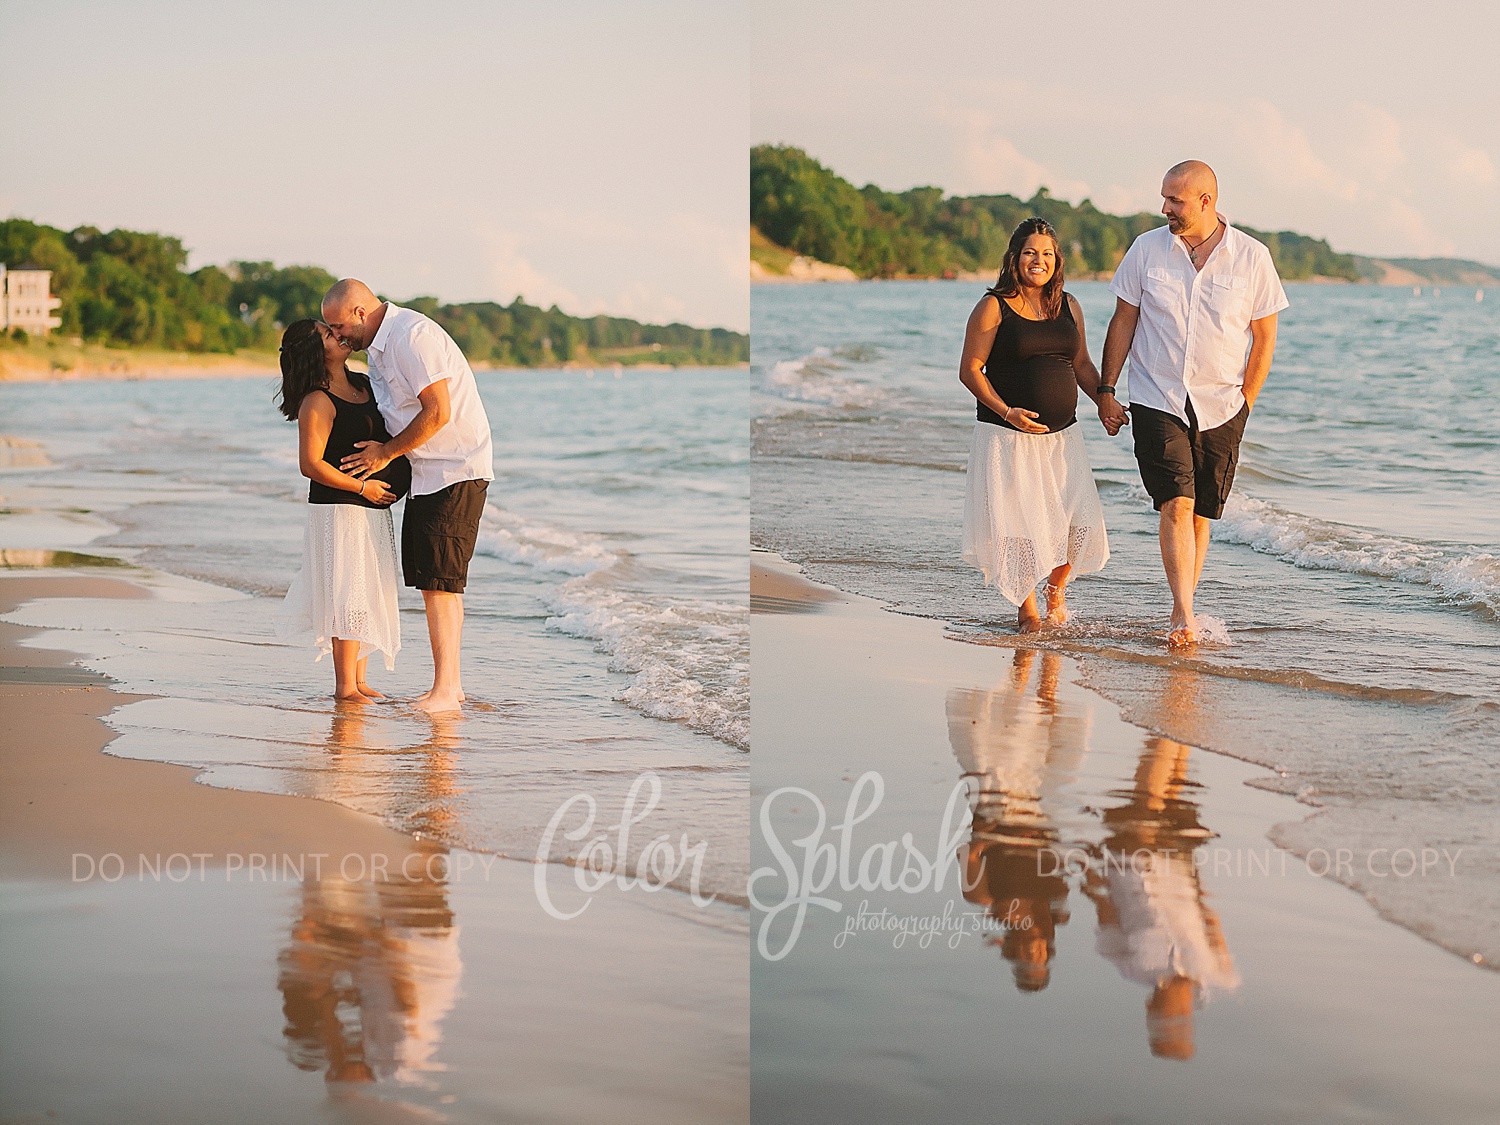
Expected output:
(190, 365)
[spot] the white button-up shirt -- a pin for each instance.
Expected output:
(1193, 335)
(409, 354)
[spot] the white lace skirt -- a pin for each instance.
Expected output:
(1030, 505)
(347, 585)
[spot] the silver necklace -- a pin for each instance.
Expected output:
(1193, 250)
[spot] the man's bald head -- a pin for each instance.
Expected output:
(1195, 177)
(1190, 198)
(344, 293)
(351, 309)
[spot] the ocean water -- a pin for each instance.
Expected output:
(607, 612)
(1353, 586)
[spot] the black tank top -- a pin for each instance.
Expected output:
(352, 422)
(1031, 366)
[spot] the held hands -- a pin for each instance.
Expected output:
(1112, 414)
(1024, 420)
(371, 458)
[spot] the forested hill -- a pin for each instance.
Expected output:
(128, 288)
(805, 207)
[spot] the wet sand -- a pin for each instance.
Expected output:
(1131, 945)
(253, 957)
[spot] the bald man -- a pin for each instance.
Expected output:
(430, 402)
(1195, 314)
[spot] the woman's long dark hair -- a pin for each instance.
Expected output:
(303, 367)
(1008, 284)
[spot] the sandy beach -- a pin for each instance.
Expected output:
(1128, 944)
(184, 953)
(21, 367)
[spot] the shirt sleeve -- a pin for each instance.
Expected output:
(422, 360)
(1126, 283)
(1267, 295)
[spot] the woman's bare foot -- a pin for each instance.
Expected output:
(1057, 604)
(1028, 620)
(350, 696)
(368, 692)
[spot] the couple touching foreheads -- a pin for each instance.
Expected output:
(1195, 314)
(414, 424)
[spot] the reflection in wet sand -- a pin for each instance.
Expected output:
(1018, 752)
(373, 965)
(1023, 753)
(1154, 922)
(368, 975)
(426, 796)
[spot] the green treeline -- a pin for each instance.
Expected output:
(803, 206)
(128, 288)
(522, 335)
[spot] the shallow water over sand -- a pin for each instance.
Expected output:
(1357, 569)
(607, 616)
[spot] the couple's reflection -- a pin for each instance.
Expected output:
(1022, 751)
(1155, 925)
(371, 969)
(1017, 751)
(413, 785)
(372, 964)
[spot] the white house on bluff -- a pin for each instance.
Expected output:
(26, 301)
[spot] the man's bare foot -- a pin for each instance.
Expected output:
(1057, 604)
(1182, 632)
(433, 701)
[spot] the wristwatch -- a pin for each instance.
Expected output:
(1106, 389)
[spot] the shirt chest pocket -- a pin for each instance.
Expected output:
(1164, 289)
(1228, 292)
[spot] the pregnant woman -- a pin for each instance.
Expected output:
(344, 599)
(1031, 509)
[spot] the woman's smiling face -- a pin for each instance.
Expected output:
(333, 348)
(1038, 261)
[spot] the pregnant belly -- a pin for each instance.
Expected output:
(1045, 384)
(397, 476)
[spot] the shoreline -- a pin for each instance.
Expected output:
(187, 972)
(233, 370)
(58, 730)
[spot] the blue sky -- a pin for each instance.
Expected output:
(1373, 124)
(591, 154)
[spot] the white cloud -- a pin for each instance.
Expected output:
(1470, 165)
(1354, 174)
(642, 302)
(1283, 153)
(649, 291)
(1374, 142)
(989, 163)
(510, 273)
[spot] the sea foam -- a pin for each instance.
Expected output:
(814, 378)
(688, 659)
(1459, 574)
